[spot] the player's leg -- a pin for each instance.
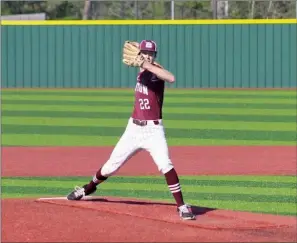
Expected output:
(126, 147)
(157, 146)
(122, 152)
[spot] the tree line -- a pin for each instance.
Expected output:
(133, 9)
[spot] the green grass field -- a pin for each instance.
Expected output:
(192, 117)
(266, 194)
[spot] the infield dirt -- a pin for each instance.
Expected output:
(202, 160)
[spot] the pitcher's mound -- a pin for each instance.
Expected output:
(207, 218)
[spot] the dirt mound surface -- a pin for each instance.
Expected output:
(129, 220)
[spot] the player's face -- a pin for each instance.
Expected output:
(149, 56)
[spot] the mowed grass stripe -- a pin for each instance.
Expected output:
(215, 93)
(261, 179)
(167, 116)
(167, 104)
(80, 140)
(157, 194)
(160, 187)
(184, 100)
(170, 132)
(260, 207)
(184, 111)
(101, 122)
(288, 182)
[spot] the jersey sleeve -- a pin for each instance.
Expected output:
(154, 78)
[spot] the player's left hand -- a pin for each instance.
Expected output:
(132, 55)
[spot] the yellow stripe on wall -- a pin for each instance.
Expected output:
(148, 22)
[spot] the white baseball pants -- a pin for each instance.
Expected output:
(135, 138)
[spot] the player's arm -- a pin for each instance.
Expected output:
(160, 72)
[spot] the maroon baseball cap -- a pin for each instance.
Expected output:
(148, 45)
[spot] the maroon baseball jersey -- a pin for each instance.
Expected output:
(149, 94)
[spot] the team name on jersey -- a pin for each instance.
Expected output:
(141, 88)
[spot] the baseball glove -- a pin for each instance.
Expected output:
(131, 54)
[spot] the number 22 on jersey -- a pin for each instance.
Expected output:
(144, 104)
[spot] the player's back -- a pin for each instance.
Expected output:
(149, 95)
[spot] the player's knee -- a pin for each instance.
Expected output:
(109, 168)
(166, 168)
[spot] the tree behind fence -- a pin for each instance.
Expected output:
(133, 9)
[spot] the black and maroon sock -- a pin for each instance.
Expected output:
(174, 186)
(97, 179)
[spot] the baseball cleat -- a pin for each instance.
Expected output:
(79, 193)
(185, 212)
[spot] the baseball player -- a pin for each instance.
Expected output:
(144, 131)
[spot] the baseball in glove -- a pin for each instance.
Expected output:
(131, 54)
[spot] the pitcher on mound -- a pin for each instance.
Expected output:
(144, 130)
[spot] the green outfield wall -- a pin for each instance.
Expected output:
(208, 54)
